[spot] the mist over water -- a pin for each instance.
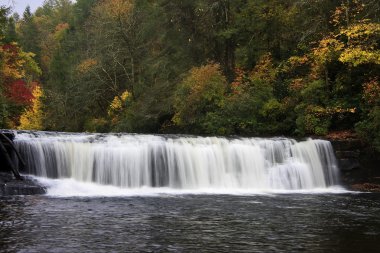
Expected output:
(172, 163)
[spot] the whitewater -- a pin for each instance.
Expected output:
(128, 164)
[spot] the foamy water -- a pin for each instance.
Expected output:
(73, 188)
(123, 164)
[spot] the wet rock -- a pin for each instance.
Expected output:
(10, 186)
(357, 161)
(366, 187)
(9, 133)
(347, 154)
(348, 164)
(347, 145)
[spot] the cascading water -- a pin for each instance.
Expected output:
(135, 161)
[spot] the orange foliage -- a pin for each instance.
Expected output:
(60, 30)
(341, 135)
(264, 69)
(297, 84)
(12, 67)
(115, 9)
(346, 11)
(371, 92)
(328, 111)
(240, 76)
(296, 61)
(200, 92)
(86, 65)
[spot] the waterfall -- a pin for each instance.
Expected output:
(180, 162)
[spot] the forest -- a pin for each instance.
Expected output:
(204, 67)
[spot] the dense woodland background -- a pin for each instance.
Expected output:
(216, 67)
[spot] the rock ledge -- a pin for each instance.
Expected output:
(10, 186)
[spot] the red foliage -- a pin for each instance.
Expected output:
(19, 92)
(11, 48)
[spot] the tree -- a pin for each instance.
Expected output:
(32, 117)
(114, 28)
(28, 33)
(17, 70)
(369, 127)
(200, 93)
(198, 66)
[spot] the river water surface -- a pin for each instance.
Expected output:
(348, 222)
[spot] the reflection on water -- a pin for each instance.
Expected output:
(177, 223)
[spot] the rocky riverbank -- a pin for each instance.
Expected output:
(366, 187)
(11, 186)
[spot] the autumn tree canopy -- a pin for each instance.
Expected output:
(219, 67)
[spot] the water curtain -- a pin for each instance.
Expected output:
(135, 161)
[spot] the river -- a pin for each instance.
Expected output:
(346, 222)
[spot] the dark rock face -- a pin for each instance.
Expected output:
(352, 145)
(347, 153)
(359, 164)
(11, 186)
(349, 164)
(6, 150)
(9, 133)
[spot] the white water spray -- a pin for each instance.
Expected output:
(138, 161)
